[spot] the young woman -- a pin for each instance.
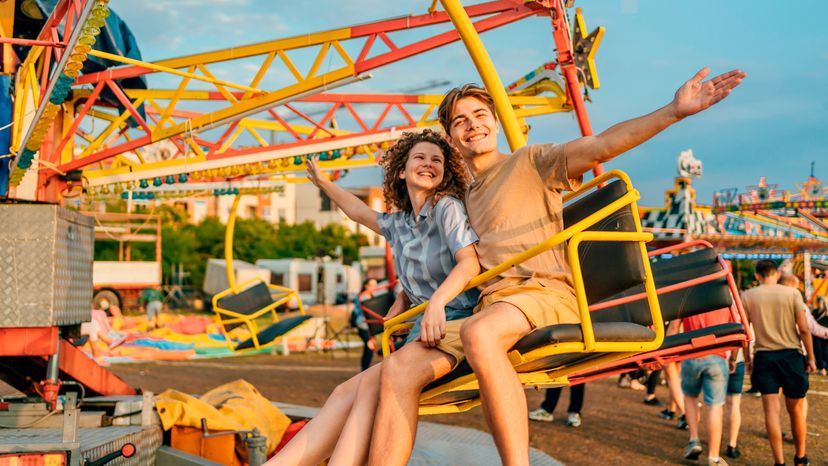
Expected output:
(425, 182)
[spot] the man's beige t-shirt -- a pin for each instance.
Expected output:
(772, 311)
(517, 204)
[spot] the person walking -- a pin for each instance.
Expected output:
(733, 405)
(705, 376)
(781, 330)
(550, 401)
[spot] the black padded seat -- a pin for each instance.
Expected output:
(721, 330)
(596, 258)
(379, 304)
(249, 301)
(564, 333)
(680, 303)
(274, 331)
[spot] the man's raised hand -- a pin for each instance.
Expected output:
(697, 95)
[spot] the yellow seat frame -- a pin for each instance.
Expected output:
(279, 294)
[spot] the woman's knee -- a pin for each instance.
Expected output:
(370, 381)
(347, 389)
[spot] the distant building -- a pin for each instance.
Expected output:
(298, 203)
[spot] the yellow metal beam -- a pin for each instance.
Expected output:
(166, 69)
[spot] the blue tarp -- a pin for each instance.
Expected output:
(5, 133)
(115, 38)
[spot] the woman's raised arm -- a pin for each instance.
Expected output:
(354, 208)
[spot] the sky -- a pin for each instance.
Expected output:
(775, 124)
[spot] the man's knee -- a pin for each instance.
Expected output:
(476, 338)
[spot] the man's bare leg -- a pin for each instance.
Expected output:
(671, 372)
(714, 429)
(352, 446)
(734, 403)
(691, 411)
(404, 374)
(315, 442)
(487, 336)
(770, 404)
(798, 411)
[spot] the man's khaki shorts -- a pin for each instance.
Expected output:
(542, 305)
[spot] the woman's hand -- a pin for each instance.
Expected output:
(315, 175)
(433, 325)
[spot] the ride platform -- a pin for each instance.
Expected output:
(439, 444)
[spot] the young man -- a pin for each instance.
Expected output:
(707, 375)
(513, 204)
(780, 329)
(151, 301)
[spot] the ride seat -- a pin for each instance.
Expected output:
(248, 305)
(608, 269)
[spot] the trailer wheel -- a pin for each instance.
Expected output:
(108, 295)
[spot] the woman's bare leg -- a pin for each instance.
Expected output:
(355, 438)
(316, 441)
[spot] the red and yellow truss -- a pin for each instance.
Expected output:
(214, 129)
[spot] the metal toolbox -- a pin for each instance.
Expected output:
(46, 254)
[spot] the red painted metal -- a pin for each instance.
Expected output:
(116, 89)
(364, 30)
(28, 341)
(30, 42)
(96, 379)
(509, 11)
(680, 246)
(106, 153)
(566, 61)
(83, 112)
(658, 359)
(442, 39)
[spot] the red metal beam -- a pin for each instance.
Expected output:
(566, 60)
(31, 42)
(96, 379)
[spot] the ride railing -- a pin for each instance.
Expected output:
(618, 242)
(681, 296)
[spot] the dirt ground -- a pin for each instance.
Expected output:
(617, 427)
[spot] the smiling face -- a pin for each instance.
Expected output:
(473, 127)
(424, 167)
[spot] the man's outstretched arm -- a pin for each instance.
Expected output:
(694, 96)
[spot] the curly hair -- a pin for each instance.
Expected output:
(455, 174)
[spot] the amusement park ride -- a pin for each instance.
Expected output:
(85, 124)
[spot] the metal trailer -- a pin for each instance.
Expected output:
(72, 412)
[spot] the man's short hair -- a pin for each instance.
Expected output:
(765, 267)
(452, 96)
